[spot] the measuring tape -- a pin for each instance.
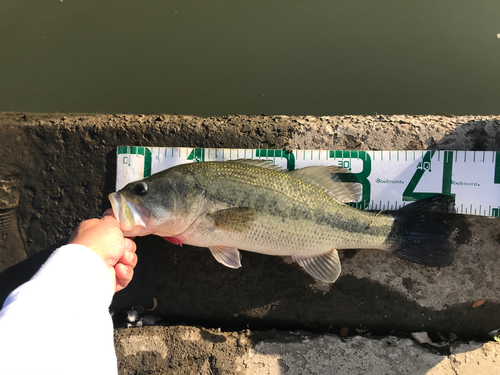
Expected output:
(390, 179)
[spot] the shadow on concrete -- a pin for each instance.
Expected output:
(266, 293)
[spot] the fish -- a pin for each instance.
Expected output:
(255, 205)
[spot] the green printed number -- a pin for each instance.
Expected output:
(360, 178)
(425, 165)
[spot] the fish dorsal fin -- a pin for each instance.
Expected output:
(324, 267)
(324, 177)
(234, 219)
(267, 164)
(228, 256)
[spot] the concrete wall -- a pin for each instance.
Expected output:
(57, 170)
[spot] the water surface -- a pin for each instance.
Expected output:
(208, 58)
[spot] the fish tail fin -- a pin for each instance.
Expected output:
(421, 232)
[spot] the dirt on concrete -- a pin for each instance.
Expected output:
(58, 169)
(192, 350)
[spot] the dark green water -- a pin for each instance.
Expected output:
(204, 57)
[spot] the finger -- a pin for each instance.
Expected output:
(124, 275)
(129, 259)
(111, 220)
(109, 212)
(130, 245)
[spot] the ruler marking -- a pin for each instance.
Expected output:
(496, 176)
(370, 170)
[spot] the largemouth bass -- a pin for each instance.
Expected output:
(257, 206)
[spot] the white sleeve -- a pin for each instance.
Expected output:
(58, 322)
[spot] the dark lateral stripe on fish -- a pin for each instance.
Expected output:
(362, 222)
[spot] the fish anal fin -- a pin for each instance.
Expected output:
(326, 178)
(324, 267)
(228, 256)
(232, 219)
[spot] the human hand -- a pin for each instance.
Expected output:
(105, 238)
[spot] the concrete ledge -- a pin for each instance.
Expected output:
(180, 350)
(58, 168)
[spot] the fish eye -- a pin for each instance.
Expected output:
(141, 188)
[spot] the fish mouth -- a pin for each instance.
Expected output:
(128, 215)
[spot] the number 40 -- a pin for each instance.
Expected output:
(425, 165)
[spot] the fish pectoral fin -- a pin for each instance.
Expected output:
(327, 178)
(324, 267)
(233, 219)
(228, 256)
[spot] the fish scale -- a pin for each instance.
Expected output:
(305, 207)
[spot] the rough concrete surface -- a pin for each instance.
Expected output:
(203, 351)
(58, 169)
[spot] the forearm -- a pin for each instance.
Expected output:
(59, 320)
